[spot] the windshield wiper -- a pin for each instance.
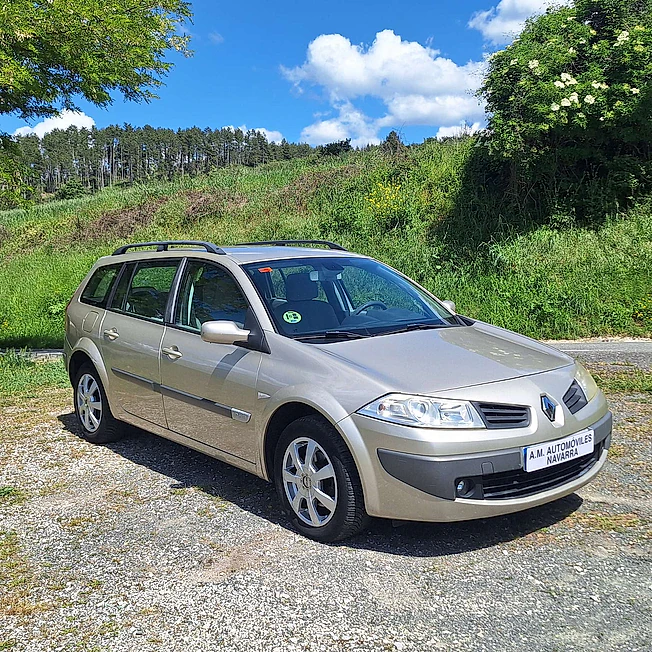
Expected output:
(414, 327)
(332, 335)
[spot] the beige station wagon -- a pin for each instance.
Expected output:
(348, 385)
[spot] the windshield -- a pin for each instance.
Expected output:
(343, 298)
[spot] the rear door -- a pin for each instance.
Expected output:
(131, 337)
(93, 301)
(209, 390)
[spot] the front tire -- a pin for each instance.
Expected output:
(94, 416)
(317, 481)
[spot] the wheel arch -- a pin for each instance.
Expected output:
(77, 360)
(87, 352)
(282, 417)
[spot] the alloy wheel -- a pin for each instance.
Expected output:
(309, 481)
(89, 403)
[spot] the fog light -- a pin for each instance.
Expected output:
(464, 487)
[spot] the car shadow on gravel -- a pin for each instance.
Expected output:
(407, 538)
(187, 468)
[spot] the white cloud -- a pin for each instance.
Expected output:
(458, 130)
(324, 131)
(271, 135)
(388, 67)
(503, 22)
(431, 110)
(216, 38)
(350, 123)
(62, 121)
(416, 85)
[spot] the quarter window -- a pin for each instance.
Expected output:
(208, 293)
(97, 290)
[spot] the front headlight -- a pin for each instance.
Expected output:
(585, 380)
(423, 411)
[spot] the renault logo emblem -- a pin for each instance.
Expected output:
(548, 406)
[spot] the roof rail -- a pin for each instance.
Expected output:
(285, 243)
(164, 245)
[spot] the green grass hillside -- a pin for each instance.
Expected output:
(414, 210)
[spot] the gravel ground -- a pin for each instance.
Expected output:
(145, 545)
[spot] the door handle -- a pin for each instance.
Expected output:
(112, 334)
(172, 352)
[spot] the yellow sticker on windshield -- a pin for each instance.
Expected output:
(292, 317)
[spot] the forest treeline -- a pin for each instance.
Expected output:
(87, 160)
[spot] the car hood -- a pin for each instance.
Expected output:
(425, 362)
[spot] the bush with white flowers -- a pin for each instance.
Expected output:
(573, 94)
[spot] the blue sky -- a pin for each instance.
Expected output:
(321, 71)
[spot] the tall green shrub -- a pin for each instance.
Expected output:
(14, 189)
(570, 103)
(72, 189)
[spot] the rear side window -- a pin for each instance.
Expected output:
(98, 289)
(145, 292)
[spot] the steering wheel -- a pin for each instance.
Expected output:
(364, 306)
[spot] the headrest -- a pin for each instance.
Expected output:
(299, 287)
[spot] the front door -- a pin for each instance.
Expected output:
(209, 390)
(131, 336)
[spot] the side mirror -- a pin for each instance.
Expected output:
(450, 305)
(223, 332)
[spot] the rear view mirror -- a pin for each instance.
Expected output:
(223, 332)
(325, 275)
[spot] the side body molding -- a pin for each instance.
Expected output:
(197, 401)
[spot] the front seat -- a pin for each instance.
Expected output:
(215, 299)
(302, 313)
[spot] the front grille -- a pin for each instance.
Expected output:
(574, 398)
(497, 415)
(520, 483)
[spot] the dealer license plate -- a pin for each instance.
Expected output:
(551, 453)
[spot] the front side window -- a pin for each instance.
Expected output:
(208, 293)
(146, 294)
(97, 290)
(318, 298)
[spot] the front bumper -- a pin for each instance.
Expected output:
(438, 476)
(411, 473)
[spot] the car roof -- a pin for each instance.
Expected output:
(240, 254)
(255, 254)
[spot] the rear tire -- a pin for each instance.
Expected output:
(94, 416)
(317, 481)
